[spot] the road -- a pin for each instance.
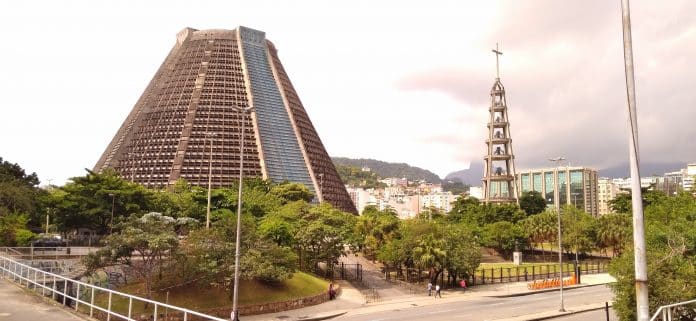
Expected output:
(485, 308)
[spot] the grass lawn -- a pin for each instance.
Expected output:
(201, 298)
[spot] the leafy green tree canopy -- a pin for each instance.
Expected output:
(532, 202)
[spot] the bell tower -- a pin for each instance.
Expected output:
(499, 171)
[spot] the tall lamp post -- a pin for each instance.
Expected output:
(235, 295)
(556, 160)
(577, 262)
(640, 260)
(321, 186)
(48, 212)
(210, 178)
(113, 203)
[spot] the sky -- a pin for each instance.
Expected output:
(398, 81)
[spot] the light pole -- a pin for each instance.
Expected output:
(48, 211)
(210, 179)
(111, 222)
(133, 166)
(577, 262)
(235, 295)
(558, 211)
(321, 186)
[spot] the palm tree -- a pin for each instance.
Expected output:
(430, 254)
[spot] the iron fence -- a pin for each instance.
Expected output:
(341, 271)
(95, 301)
(496, 275)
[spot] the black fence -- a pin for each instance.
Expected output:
(85, 240)
(341, 271)
(497, 275)
(534, 272)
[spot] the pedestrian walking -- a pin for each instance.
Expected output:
(430, 288)
(462, 283)
(437, 291)
(332, 292)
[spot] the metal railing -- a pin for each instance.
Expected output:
(88, 298)
(666, 312)
(30, 253)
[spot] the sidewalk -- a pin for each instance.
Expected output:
(352, 300)
(17, 304)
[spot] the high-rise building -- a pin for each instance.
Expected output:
(215, 89)
(607, 191)
(499, 170)
(563, 185)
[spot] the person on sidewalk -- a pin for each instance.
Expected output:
(462, 283)
(430, 288)
(437, 291)
(332, 292)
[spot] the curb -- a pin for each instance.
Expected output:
(562, 314)
(323, 317)
(543, 291)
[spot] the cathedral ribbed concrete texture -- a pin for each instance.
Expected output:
(214, 87)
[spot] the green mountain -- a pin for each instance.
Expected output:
(385, 170)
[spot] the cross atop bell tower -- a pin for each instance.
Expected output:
(499, 171)
(498, 53)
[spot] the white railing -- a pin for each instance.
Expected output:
(88, 298)
(664, 313)
(30, 253)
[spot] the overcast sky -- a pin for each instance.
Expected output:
(400, 81)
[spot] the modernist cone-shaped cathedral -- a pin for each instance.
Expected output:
(215, 90)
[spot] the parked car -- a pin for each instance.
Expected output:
(49, 243)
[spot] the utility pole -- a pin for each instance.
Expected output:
(641, 265)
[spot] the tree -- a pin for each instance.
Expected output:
(151, 238)
(621, 203)
(670, 236)
(671, 273)
(503, 237)
(463, 251)
(430, 254)
(614, 231)
(323, 233)
(375, 228)
(19, 193)
(541, 228)
(291, 192)
(579, 230)
(13, 230)
(532, 202)
(469, 210)
(87, 201)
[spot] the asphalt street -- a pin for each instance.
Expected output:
(487, 308)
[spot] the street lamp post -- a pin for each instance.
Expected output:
(111, 222)
(210, 179)
(321, 186)
(133, 165)
(48, 211)
(235, 295)
(556, 160)
(577, 262)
